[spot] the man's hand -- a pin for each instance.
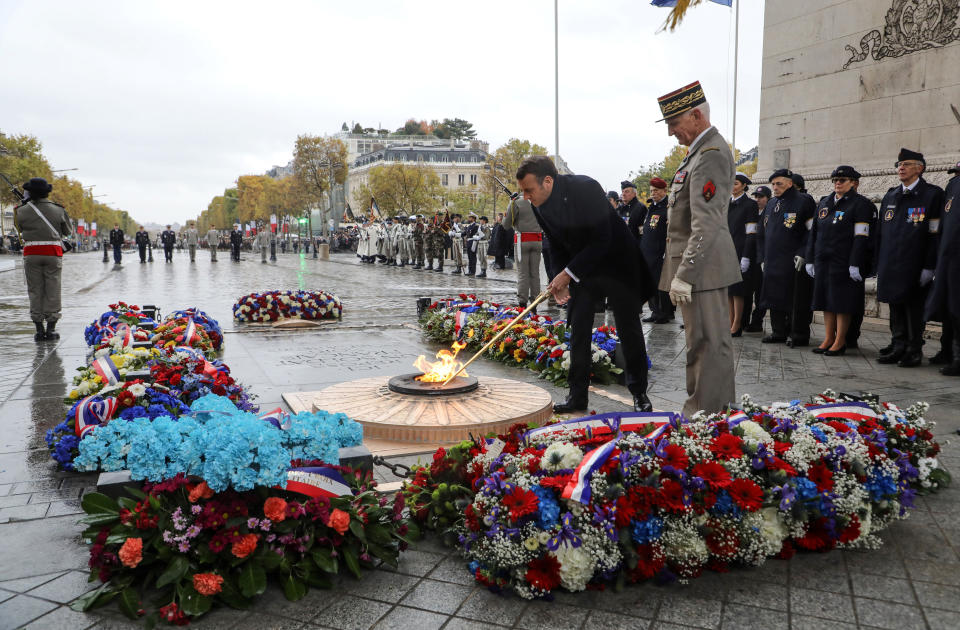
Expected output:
(798, 262)
(681, 292)
(560, 288)
(810, 269)
(855, 274)
(744, 265)
(926, 277)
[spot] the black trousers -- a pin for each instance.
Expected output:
(168, 253)
(626, 308)
(660, 305)
(116, 253)
(906, 324)
(471, 257)
(795, 323)
(947, 336)
(235, 253)
(143, 253)
(751, 301)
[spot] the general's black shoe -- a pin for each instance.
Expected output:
(910, 359)
(482, 274)
(887, 350)
(648, 319)
(641, 403)
(773, 339)
(798, 343)
(941, 358)
(893, 357)
(570, 405)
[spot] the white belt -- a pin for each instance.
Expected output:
(28, 243)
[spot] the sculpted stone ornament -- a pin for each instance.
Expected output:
(911, 26)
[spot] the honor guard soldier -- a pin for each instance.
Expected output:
(193, 239)
(631, 208)
(701, 261)
(116, 241)
(786, 286)
(837, 257)
(481, 240)
(907, 232)
(42, 225)
(236, 240)
(213, 240)
(528, 242)
(944, 301)
(142, 239)
(264, 236)
(469, 232)
(456, 248)
(742, 223)
(419, 233)
(653, 246)
(434, 240)
(599, 260)
(168, 238)
(754, 276)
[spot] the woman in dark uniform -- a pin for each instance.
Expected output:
(836, 255)
(742, 221)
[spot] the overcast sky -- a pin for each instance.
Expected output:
(162, 105)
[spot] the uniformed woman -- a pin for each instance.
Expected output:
(742, 222)
(836, 255)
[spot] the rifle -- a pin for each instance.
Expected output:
(512, 195)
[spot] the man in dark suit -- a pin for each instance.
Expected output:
(651, 231)
(116, 240)
(142, 239)
(169, 238)
(236, 240)
(596, 258)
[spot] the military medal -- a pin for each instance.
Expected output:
(838, 216)
(680, 177)
(789, 218)
(946, 208)
(654, 219)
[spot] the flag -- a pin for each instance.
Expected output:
(93, 229)
(317, 481)
(273, 223)
(190, 332)
(92, 413)
(348, 214)
(80, 227)
(278, 418)
(374, 209)
(673, 3)
(459, 324)
(107, 370)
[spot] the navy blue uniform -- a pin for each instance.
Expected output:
(839, 239)
(116, 240)
(786, 292)
(169, 239)
(944, 302)
(742, 221)
(907, 230)
(653, 245)
(635, 213)
(142, 239)
(236, 239)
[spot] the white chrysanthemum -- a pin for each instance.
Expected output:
(137, 389)
(576, 567)
(772, 529)
(754, 432)
(561, 455)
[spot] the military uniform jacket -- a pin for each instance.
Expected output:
(142, 239)
(168, 238)
(213, 238)
(116, 237)
(653, 239)
(840, 234)
(193, 237)
(236, 237)
(907, 230)
(945, 296)
(742, 223)
(699, 248)
(519, 216)
(33, 229)
(588, 237)
(637, 214)
(786, 224)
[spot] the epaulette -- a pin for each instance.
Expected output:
(709, 149)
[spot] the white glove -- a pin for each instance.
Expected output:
(798, 262)
(744, 265)
(926, 276)
(762, 267)
(681, 292)
(855, 274)
(809, 268)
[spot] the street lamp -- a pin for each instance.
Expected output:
(63, 170)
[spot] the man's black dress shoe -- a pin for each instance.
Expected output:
(941, 358)
(797, 343)
(891, 357)
(648, 319)
(910, 359)
(570, 405)
(773, 339)
(641, 403)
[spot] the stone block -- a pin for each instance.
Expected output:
(112, 484)
(133, 375)
(358, 457)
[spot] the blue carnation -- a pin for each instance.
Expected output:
(548, 512)
(647, 531)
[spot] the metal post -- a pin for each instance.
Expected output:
(736, 44)
(556, 80)
(273, 249)
(105, 245)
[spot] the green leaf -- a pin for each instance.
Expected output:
(349, 555)
(177, 568)
(127, 503)
(294, 588)
(97, 503)
(324, 560)
(319, 579)
(253, 579)
(357, 528)
(193, 603)
(378, 534)
(231, 595)
(95, 598)
(129, 603)
(413, 530)
(137, 492)
(104, 518)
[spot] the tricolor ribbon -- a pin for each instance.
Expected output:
(125, 333)
(736, 418)
(606, 423)
(92, 413)
(190, 332)
(856, 411)
(278, 418)
(107, 370)
(459, 323)
(578, 488)
(317, 481)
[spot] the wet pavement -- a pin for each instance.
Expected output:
(912, 582)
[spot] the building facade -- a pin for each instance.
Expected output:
(852, 81)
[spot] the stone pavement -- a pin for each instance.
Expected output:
(912, 582)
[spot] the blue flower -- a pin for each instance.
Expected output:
(548, 512)
(647, 531)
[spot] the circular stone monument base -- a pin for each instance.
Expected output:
(495, 405)
(408, 384)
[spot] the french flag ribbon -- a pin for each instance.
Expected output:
(578, 488)
(317, 481)
(736, 418)
(107, 370)
(459, 322)
(857, 411)
(92, 413)
(278, 418)
(190, 333)
(125, 333)
(193, 352)
(607, 423)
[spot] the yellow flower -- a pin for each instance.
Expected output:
(529, 332)
(97, 378)
(531, 543)
(74, 394)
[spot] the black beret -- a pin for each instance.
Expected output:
(762, 191)
(798, 181)
(627, 184)
(743, 179)
(781, 172)
(907, 154)
(38, 187)
(613, 195)
(484, 218)
(845, 171)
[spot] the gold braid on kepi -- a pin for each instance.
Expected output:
(681, 101)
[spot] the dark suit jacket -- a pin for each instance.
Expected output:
(588, 237)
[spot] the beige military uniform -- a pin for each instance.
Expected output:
(528, 248)
(213, 239)
(700, 252)
(193, 238)
(42, 255)
(264, 236)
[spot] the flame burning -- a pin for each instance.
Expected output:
(440, 371)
